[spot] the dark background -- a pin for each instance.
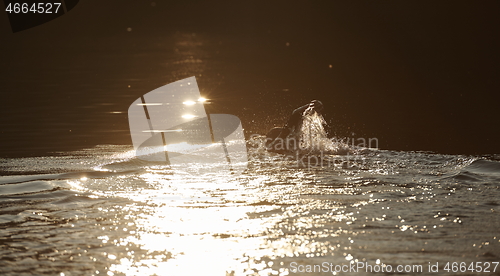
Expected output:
(417, 75)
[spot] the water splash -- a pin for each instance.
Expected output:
(313, 138)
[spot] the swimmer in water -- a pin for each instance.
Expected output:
(278, 134)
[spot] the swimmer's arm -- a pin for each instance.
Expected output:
(296, 117)
(300, 110)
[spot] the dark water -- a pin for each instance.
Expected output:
(75, 201)
(416, 76)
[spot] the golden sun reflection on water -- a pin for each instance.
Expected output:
(218, 224)
(206, 225)
(199, 234)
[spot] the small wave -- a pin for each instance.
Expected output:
(27, 188)
(478, 171)
(464, 177)
(485, 167)
(124, 166)
(13, 179)
(45, 206)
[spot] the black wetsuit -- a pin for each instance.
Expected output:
(295, 119)
(291, 126)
